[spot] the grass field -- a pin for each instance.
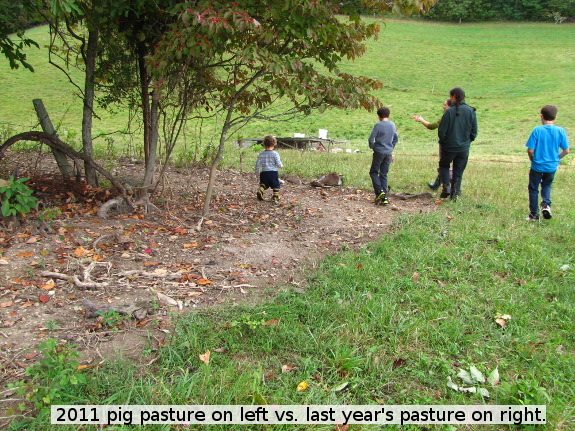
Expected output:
(370, 330)
(507, 70)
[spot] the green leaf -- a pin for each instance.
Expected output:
(493, 378)
(477, 375)
(259, 400)
(6, 208)
(466, 377)
(483, 392)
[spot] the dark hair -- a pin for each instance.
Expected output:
(269, 141)
(383, 112)
(459, 95)
(549, 112)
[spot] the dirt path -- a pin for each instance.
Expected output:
(246, 251)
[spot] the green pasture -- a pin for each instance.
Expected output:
(507, 70)
(391, 322)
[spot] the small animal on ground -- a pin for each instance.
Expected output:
(330, 180)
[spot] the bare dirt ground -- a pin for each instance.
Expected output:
(58, 278)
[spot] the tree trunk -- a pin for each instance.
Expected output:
(153, 149)
(88, 112)
(146, 105)
(66, 170)
(216, 162)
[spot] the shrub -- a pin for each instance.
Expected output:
(17, 197)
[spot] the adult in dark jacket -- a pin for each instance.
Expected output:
(457, 130)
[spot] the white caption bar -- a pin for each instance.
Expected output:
(298, 414)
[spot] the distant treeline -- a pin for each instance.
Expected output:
(508, 10)
(22, 14)
(492, 10)
(16, 15)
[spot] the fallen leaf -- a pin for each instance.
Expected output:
(5, 304)
(148, 251)
(415, 277)
(86, 367)
(339, 427)
(205, 358)
(399, 362)
(80, 252)
(193, 244)
(48, 286)
(44, 298)
(166, 300)
(302, 386)
(501, 322)
(272, 322)
(288, 367)
(203, 281)
(25, 254)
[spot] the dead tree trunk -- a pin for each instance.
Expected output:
(66, 170)
(88, 112)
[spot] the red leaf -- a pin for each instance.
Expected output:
(44, 298)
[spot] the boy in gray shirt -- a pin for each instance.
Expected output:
(382, 141)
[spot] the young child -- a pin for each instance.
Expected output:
(543, 148)
(382, 141)
(267, 166)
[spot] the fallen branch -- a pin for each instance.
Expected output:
(55, 143)
(87, 283)
(167, 276)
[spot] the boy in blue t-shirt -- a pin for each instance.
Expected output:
(543, 148)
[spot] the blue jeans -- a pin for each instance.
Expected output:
(545, 179)
(378, 172)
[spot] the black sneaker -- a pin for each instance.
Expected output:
(532, 217)
(546, 211)
(445, 194)
(385, 201)
(433, 186)
(380, 198)
(260, 194)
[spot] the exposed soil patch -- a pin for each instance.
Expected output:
(55, 274)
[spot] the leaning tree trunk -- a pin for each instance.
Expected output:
(153, 148)
(216, 162)
(65, 169)
(88, 112)
(145, 95)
